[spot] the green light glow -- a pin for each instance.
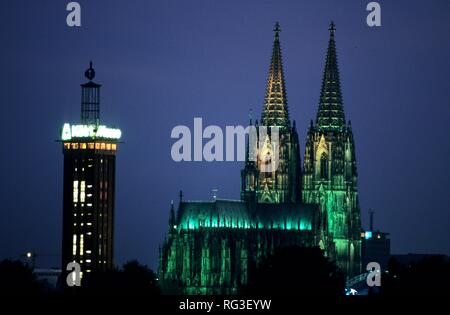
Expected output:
(193, 223)
(89, 131)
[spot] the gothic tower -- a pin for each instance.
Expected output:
(329, 170)
(281, 181)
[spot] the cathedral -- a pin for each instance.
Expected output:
(211, 245)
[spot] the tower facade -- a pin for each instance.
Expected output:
(330, 175)
(274, 176)
(89, 152)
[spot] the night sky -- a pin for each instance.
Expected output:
(162, 63)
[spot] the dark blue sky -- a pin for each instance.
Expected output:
(162, 63)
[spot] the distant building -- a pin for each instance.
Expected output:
(212, 245)
(375, 247)
(409, 259)
(89, 185)
(49, 276)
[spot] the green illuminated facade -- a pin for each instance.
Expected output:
(212, 246)
(329, 169)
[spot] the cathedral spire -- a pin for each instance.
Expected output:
(275, 112)
(249, 156)
(171, 216)
(330, 115)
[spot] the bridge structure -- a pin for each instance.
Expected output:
(357, 285)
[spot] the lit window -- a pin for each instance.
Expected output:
(88, 252)
(82, 191)
(114, 146)
(74, 245)
(75, 191)
(89, 223)
(67, 146)
(102, 146)
(91, 146)
(74, 145)
(83, 146)
(81, 244)
(97, 146)
(108, 146)
(89, 204)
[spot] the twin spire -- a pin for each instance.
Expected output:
(275, 112)
(330, 115)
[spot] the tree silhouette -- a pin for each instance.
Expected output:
(295, 271)
(133, 279)
(17, 278)
(428, 276)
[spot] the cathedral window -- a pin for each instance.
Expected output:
(323, 167)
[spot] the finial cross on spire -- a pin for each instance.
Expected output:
(332, 28)
(277, 28)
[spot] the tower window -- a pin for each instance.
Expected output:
(74, 245)
(81, 245)
(75, 191)
(323, 167)
(82, 191)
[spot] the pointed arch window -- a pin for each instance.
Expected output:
(324, 166)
